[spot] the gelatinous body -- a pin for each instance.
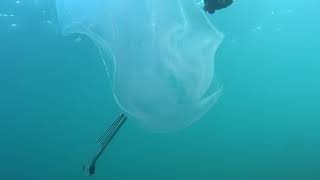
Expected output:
(159, 55)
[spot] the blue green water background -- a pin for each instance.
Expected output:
(55, 100)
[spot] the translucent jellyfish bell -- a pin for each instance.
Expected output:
(159, 55)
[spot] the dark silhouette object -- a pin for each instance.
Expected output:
(211, 6)
(104, 141)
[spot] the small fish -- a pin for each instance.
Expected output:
(211, 6)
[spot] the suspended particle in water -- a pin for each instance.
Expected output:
(234, 41)
(289, 11)
(257, 29)
(273, 13)
(47, 22)
(14, 27)
(78, 40)
(18, 2)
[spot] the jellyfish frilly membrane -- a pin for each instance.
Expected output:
(159, 55)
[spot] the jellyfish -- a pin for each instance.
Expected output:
(158, 54)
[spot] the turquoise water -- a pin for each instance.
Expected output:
(55, 100)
